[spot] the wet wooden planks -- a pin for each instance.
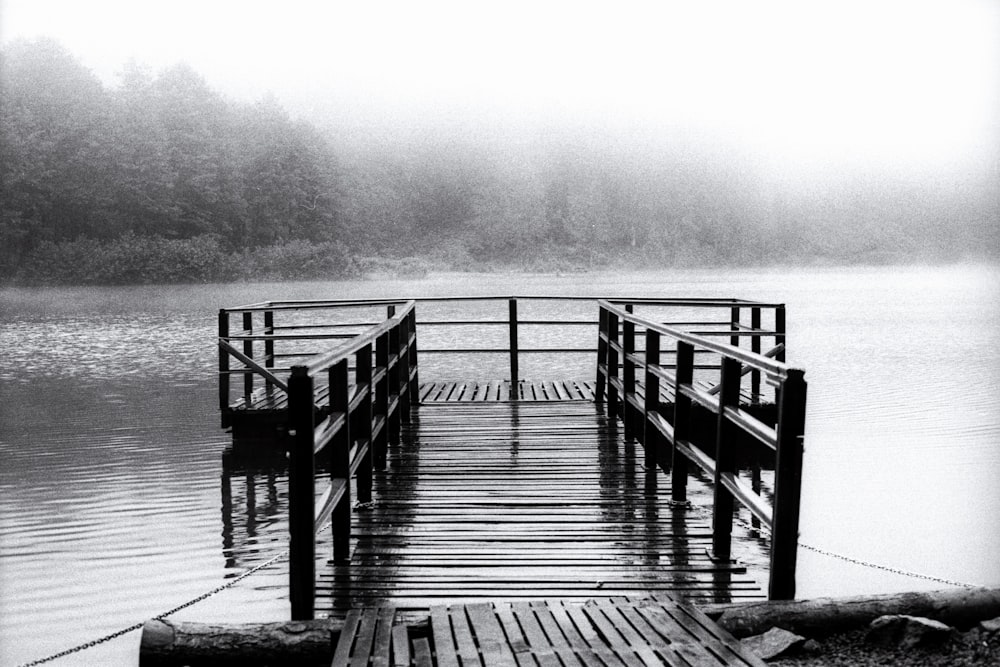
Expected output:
(622, 632)
(501, 390)
(516, 501)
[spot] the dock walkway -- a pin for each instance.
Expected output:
(508, 502)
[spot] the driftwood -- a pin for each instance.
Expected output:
(961, 608)
(171, 643)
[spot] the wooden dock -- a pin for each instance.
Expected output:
(509, 502)
(511, 522)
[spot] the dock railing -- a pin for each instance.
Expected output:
(648, 418)
(364, 414)
(259, 342)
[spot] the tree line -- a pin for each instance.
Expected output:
(162, 179)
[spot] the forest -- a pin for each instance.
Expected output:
(161, 179)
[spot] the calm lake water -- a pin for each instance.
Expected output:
(112, 475)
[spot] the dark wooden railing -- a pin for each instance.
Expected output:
(265, 354)
(258, 342)
(364, 414)
(658, 424)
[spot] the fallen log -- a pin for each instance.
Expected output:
(168, 643)
(820, 617)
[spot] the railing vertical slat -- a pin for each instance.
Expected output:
(340, 461)
(415, 382)
(403, 348)
(301, 494)
(380, 408)
(602, 355)
(392, 386)
(515, 373)
(362, 427)
(247, 350)
(269, 346)
(734, 325)
(628, 379)
(755, 348)
(787, 487)
(651, 438)
(779, 339)
(682, 421)
(725, 461)
(224, 368)
(614, 406)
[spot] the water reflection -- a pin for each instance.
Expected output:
(112, 457)
(243, 516)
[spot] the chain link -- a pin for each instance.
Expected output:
(886, 568)
(848, 559)
(160, 617)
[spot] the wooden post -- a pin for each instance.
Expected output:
(787, 486)
(628, 377)
(340, 462)
(390, 311)
(224, 368)
(682, 421)
(651, 439)
(392, 385)
(269, 345)
(512, 329)
(301, 496)
(755, 348)
(734, 325)
(602, 354)
(614, 407)
(247, 350)
(725, 460)
(404, 369)
(779, 339)
(362, 429)
(415, 383)
(380, 407)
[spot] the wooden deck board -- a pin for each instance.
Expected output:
(610, 632)
(511, 502)
(496, 391)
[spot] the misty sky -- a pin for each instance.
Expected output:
(796, 82)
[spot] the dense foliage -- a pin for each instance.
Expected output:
(162, 179)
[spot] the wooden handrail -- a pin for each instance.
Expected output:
(361, 419)
(360, 340)
(281, 333)
(643, 421)
(757, 361)
(777, 349)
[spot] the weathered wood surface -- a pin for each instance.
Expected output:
(615, 632)
(961, 607)
(520, 501)
(502, 390)
(171, 643)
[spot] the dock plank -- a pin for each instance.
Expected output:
(512, 502)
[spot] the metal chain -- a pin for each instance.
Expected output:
(856, 561)
(905, 573)
(159, 617)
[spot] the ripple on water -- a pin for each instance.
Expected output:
(116, 504)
